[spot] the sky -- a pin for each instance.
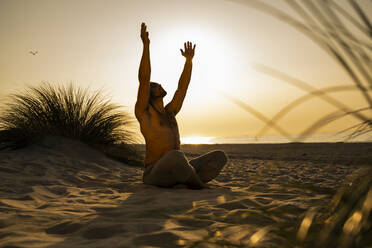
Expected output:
(96, 44)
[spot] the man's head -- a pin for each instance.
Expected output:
(156, 91)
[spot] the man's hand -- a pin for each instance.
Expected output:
(144, 34)
(189, 50)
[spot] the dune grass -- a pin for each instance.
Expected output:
(346, 35)
(67, 111)
(347, 221)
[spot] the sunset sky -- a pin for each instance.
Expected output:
(96, 44)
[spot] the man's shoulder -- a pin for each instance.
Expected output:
(169, 110)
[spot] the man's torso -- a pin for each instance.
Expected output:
(161, 133)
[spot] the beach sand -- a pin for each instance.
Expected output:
(63, 193)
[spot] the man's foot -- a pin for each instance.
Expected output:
(209, 165)
(194, 182)
(207, 173)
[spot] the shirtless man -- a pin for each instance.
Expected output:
(165, 164)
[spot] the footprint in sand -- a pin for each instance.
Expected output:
(5, 234)
(8, 170)
(103, 232)
(242, 216)
(164, 240)
(194, 223)
(64, 228)
(140, 227)
(58, 190)
(232, 205)
(5, 223)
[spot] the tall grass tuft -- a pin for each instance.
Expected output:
(67, 111)
(346, 36)
(345, 222)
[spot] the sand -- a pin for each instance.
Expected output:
(63, 193)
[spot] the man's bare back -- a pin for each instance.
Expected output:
(165, 165)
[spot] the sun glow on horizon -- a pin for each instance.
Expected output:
(196, 140)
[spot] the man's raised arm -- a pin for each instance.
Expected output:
(144, 74)
(175, 105)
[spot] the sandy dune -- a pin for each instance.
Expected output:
(64, 194)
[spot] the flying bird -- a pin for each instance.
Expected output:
(33, 52)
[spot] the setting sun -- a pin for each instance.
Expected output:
(196, 140)
(210, 62)
(168, 123)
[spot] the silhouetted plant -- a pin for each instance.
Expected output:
(64, 111)
(325, 22)
(347, 222)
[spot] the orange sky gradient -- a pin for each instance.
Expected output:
(96, 44)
